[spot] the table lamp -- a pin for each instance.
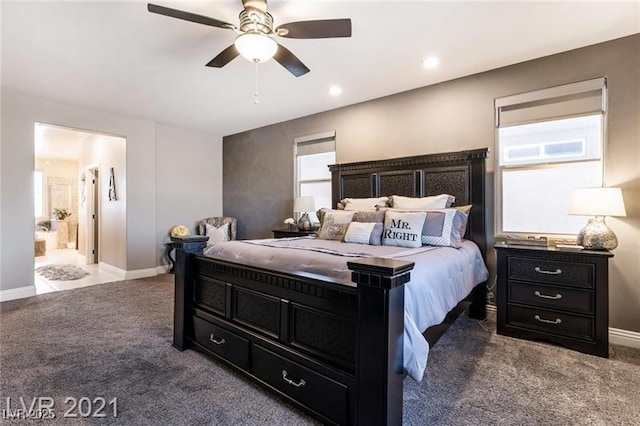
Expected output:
(304, 205)
(598, 202)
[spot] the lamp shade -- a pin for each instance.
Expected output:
(597, 202)
(304, 204)
(256, 46)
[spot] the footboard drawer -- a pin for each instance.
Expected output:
(221, 341)
(310, 388)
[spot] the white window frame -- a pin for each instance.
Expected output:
(327, 138)
(540, 95)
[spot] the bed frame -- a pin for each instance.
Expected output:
(332, 349)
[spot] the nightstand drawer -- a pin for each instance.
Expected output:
(551, 322)
(551, 297)
(221, 341)
(552, 272)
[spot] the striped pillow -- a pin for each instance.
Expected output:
(364, 233)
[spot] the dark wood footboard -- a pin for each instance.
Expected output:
(332, 349)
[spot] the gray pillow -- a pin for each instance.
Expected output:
(377, 216)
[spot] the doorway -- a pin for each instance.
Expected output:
(92, 215)
(68, 210)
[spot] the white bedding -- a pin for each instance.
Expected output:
(441, 278)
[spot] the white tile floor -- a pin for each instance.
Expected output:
(71, 257)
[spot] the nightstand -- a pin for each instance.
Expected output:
(285, 233)
(555, 295)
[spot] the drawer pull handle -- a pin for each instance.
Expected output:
(545, 296)
(542, 271)
(546, 321)
(216, 340)
(291, 381)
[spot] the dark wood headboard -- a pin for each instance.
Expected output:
(461, 174)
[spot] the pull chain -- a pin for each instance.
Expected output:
(255, 93)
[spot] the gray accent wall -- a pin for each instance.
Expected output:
(450, 116)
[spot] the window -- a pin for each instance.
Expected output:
(549, 142)
(313, 155)
(38, 192)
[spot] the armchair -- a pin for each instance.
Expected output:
(201, 228)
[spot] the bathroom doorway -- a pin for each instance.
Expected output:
(68, 209)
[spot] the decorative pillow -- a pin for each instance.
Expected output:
(377, 216)
(363, 204)
(434, 202)
(217, 235)
(364, 233)
(335, 225)
(444, 227)
(320, 213)
(403, 229)
(463, 226)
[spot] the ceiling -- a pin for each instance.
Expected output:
(117, 57)
(57, 143)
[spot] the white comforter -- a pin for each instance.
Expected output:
(441, 278)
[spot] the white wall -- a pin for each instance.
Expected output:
(107, 152)
(189, 180)
(20, 112)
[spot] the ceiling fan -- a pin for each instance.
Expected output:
(255, 40)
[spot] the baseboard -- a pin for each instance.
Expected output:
(17, 293)
(140, 273)
(617, 336)
(114, 270)
(163, 269)
(624, 337)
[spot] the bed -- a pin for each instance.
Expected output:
(333, 344)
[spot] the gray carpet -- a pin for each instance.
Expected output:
(114, 340)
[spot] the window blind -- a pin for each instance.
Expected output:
(316, 144)
(569, 100)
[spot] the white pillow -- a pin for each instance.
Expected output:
(403, 229)
(363, 203)
(364, 233)
(217, 235)
(434, 202)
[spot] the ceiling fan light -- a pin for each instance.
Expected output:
(256, 47)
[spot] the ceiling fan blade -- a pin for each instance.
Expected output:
(187, 16)
(224, 57)
(326, 28)
(288, 60)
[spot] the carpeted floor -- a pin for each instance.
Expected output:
(114, 340)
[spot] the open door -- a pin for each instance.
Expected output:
(93, 217)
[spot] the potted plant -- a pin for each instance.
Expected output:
(61, 214)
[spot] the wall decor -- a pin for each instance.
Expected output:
(112, 186)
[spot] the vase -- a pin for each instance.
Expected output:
(304, 223)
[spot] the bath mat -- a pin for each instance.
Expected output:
(62, 272)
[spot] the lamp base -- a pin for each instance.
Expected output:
(304, 223)
(596, 235)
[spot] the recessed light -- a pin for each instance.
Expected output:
(431, 62)
(335, 90)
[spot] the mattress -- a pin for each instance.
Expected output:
(441, 278)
